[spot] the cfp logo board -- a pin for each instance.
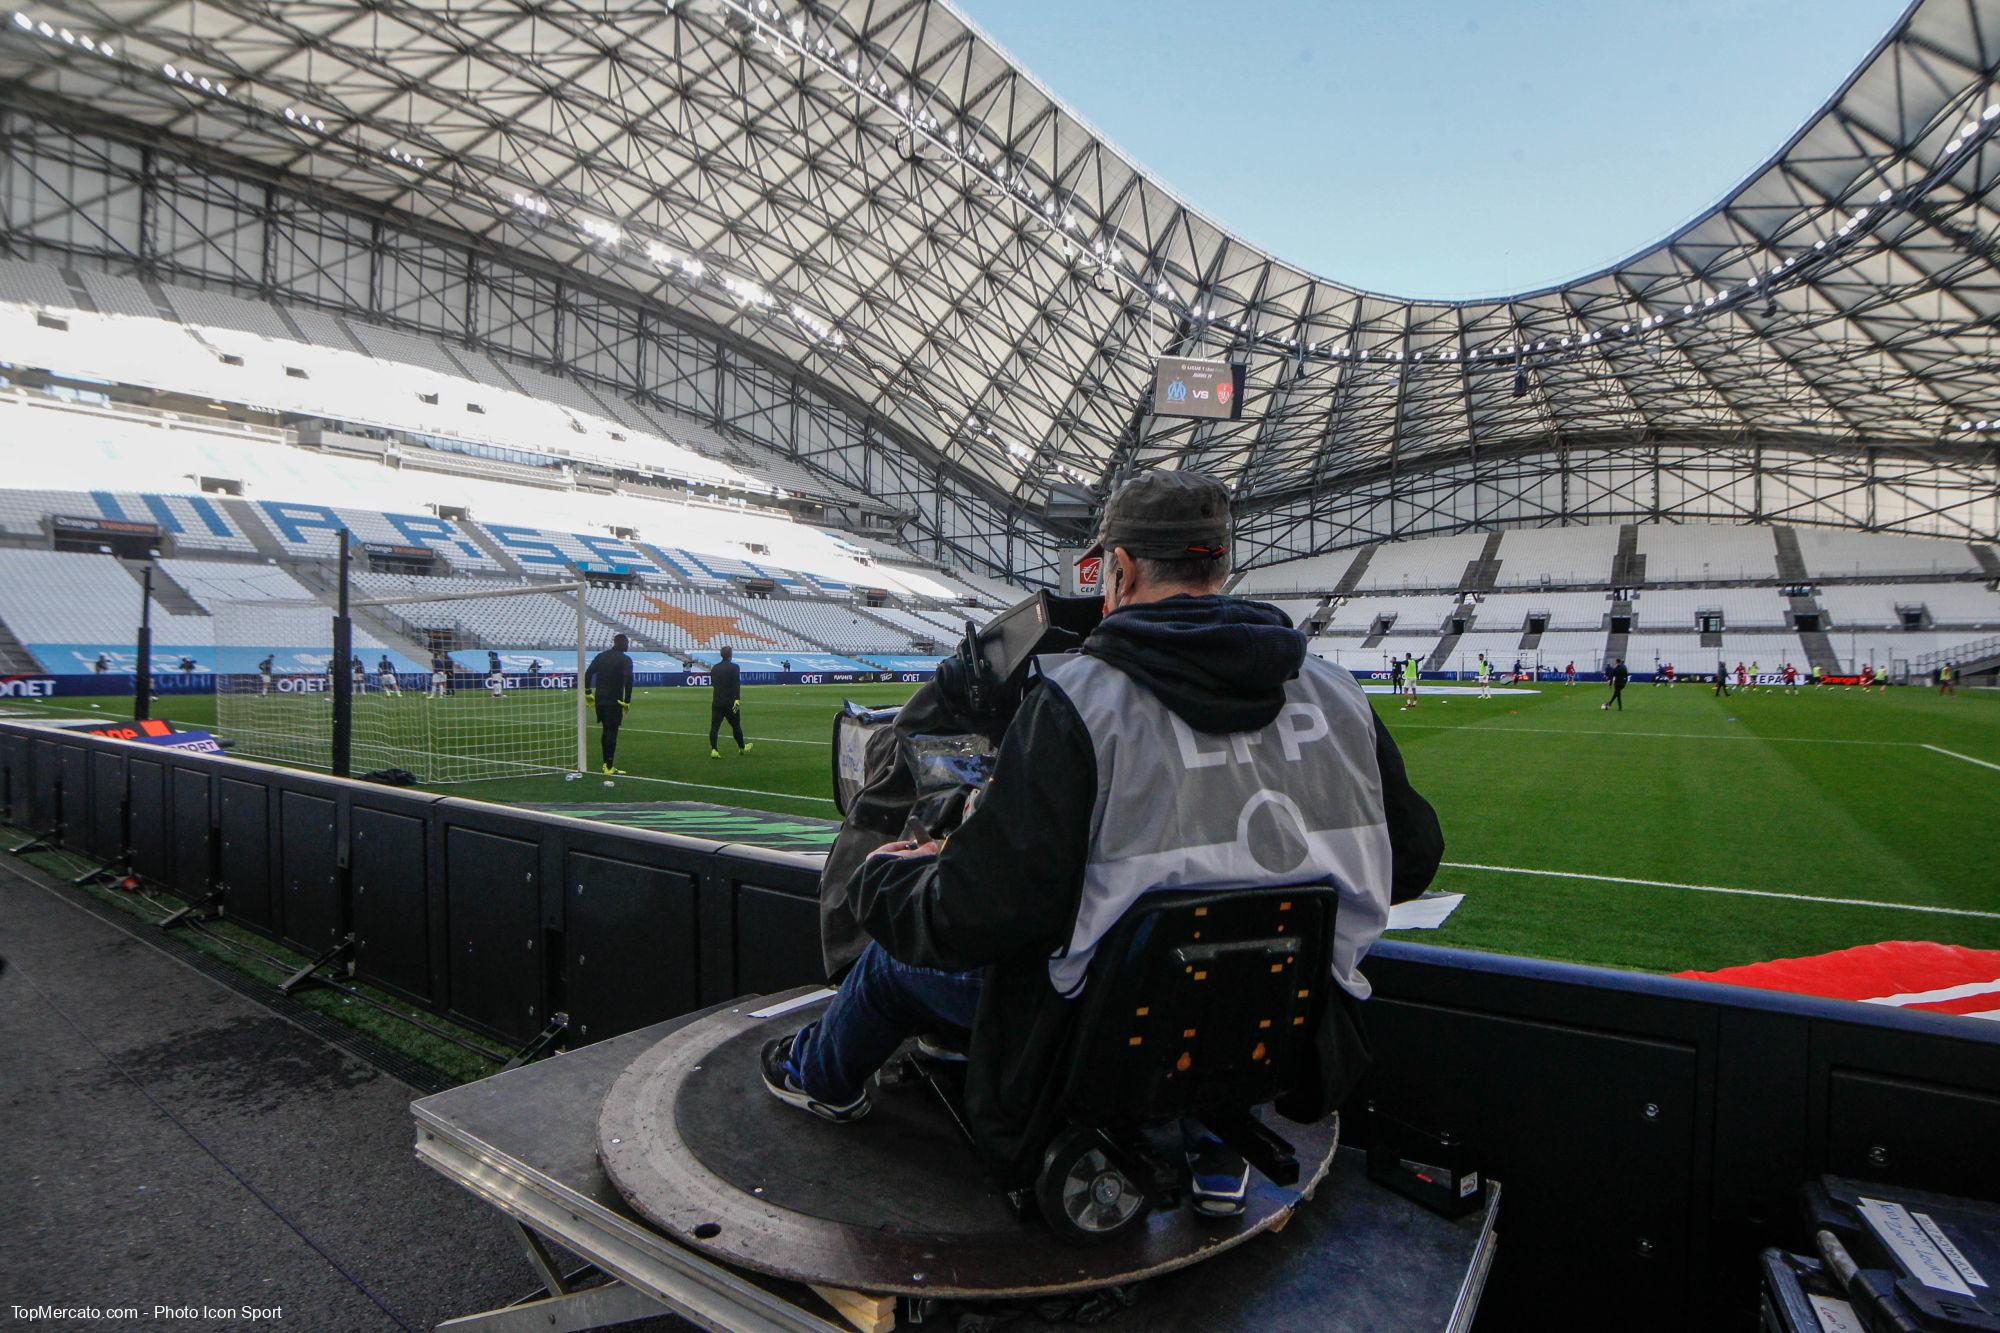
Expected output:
(1090, 575)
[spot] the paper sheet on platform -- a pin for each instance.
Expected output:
(1424, 913)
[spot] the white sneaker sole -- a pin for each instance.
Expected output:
(805, 1101)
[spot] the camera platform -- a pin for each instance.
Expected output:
(893, 1203)
(822, 1227)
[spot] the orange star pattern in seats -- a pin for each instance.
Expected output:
(704, 629)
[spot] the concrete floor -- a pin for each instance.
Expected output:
(167, 1142)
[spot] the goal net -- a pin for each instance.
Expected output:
(449, 687)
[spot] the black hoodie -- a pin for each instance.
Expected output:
(1220, 663)
(1003, 893)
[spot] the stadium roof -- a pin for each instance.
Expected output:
(873, 191)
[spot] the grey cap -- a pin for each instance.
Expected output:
(1167, 516)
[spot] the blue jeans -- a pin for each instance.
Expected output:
(880, 1002)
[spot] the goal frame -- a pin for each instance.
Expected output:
(580, 588)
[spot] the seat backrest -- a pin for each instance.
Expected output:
(1201, 1000)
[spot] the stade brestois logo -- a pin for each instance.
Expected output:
(704, 630)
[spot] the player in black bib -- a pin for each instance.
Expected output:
(608, 684)
(726, 704)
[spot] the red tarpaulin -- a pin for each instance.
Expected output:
(1940, 978)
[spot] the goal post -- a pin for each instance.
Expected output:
(449, 685)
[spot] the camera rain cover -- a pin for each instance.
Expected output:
(949, 771)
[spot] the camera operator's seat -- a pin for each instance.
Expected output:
(1201, 1004)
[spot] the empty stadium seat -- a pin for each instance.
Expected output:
(1833, 554)
(1438, 562)
(1707, 552)
(1317, 573)
(1557, 555)
(1880, 606)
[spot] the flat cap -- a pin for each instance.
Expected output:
(1167, 516)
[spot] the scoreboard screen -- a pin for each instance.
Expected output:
(1184, 388)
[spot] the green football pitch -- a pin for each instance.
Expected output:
(1685, 832)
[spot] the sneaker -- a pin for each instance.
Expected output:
(777, 1063)
(609, 771)
(942, 1048)
(746, 747)
(1221, 1179)
(715, 754)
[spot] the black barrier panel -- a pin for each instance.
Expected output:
(45, 784)
(1653, 1133)
(759, 923)
(105, 837)
(493, 924)
(147, 819)
(75, 815)
(192, 860)
(390, 876)
(13, 777)
(1604, 1106)
(777, 940)
(313, 914)
(243, 862)
(1906, 1108)
(629, 929)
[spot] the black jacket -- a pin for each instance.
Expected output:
(1003, 893)
(727, 678)
(610, 674)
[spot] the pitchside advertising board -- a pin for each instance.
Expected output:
(55, 685)
(153, 732)
(1186, 388)
(414, 683)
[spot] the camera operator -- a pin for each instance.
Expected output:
(1191, 741)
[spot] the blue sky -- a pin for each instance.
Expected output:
(1443, 147)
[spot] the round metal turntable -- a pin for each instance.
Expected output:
(893, 1204)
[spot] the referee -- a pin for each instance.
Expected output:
(726, 704)
(608, 684)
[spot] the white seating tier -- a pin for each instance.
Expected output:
(1829, 553)
(1671, 609)
(1707, 552)
(1863, 606)
(1315, 573)
(1414, 615)
(1559, 649)
(1438, 562)
(1566, 610)
(1557, 555)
